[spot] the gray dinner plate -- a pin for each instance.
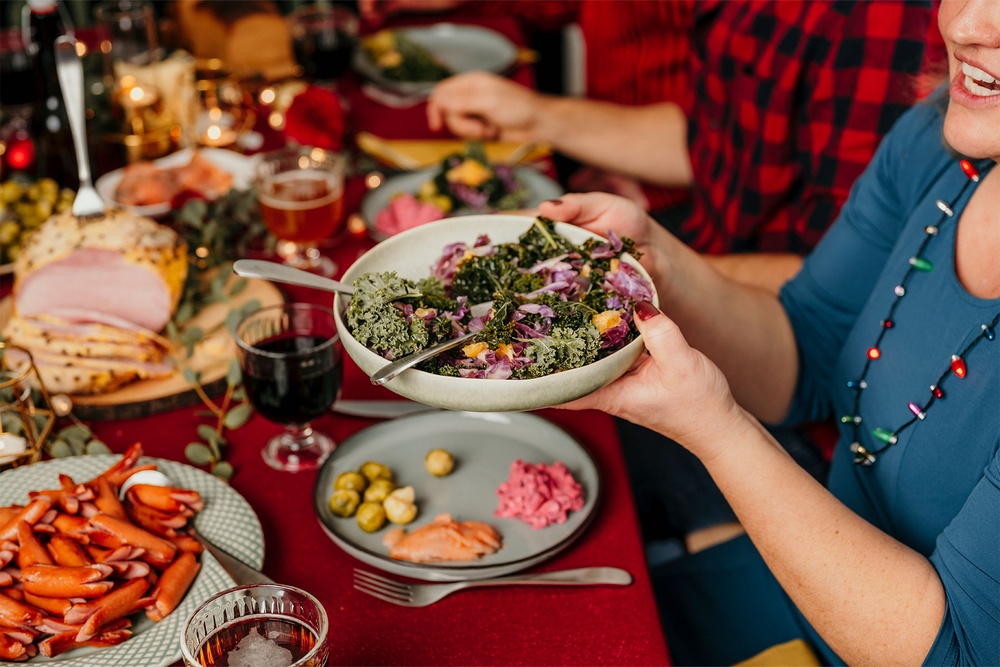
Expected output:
(540, 188)
(484, 445)
(462, 48)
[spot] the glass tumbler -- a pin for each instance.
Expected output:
(257, 624)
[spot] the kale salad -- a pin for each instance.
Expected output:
(556, 305)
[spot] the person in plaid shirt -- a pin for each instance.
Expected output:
(637, 53)
(789, 101)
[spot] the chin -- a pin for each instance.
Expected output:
(970, 136)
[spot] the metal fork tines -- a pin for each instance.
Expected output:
(69, 71)
(421, 595)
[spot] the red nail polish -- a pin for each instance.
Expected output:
(554, 202)
(645, 310)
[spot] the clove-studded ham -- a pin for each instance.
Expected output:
(120, 264)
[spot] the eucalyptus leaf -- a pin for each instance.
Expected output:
(234, 376)
(192, 335)
(238, 416)
(239, 394)
(97, 447)
(238, 286)
(79, 448)
(208, 433)
(75, 434)
(60, 449)
(223, 470)
(185, 311)
(198, 454)
(189, 375)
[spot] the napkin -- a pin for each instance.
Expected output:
(420, 153)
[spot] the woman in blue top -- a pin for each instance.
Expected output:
(890, 326)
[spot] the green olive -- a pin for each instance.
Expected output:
(343, 502)
(379, 490)
(350, 480)
(11, 191)
(8, 232)
(373, 470)
(370, 516)
(439, 462)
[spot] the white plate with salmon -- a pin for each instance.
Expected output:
(150, 187)
(226, 518)
(489, 450)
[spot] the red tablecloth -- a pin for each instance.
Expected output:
(505, 626)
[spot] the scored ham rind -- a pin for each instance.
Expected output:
(540, 495)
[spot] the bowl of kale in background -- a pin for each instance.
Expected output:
(411, 254)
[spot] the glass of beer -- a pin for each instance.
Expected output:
(301, 195)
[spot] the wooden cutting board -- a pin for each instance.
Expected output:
(211, 359)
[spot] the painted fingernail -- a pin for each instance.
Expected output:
(645, 310)
(554, 202)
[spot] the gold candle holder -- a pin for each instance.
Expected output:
(24, 426)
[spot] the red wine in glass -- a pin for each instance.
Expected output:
(295, 385)
(323, 40)
(291, 372)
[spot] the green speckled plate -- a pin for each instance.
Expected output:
(228, 520)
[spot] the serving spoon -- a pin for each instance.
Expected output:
(255, 268)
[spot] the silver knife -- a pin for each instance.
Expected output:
(380, 409)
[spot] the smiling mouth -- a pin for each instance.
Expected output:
(979, 82)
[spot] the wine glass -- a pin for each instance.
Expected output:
(300, 190)
(323, 40)
(291, 372)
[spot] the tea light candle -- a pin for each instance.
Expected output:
(217, 128)
(11, 447)
(139, 97)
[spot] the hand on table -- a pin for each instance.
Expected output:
(376, 11)
(479, 105)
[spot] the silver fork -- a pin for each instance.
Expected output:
(421, 595)
(69, 70)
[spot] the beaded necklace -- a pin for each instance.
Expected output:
(957, 366)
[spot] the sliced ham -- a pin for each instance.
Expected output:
(121, 265)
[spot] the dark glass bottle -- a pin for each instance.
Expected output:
(50, 126)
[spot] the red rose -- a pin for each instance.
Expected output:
(315, 118)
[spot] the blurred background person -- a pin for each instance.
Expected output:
(635, 53)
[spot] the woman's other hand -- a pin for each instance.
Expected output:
(674, 390)
(600, 213)
(483, 106)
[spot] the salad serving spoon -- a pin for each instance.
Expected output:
(255, 268)
(281, 273)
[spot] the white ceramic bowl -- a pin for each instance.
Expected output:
(411, 254)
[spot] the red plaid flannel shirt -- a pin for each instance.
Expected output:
(637, 53)
(790, 101)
